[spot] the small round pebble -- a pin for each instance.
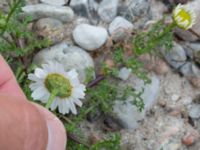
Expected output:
(190, 138)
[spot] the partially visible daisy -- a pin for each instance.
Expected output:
(57, 88)
(184, 17)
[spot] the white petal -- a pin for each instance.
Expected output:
(40, 73)
(73, 108)
(46, 67)
(35, 85)
(54, 104)
(72, 74)
(38, 93)
(45, 98)
(32, 77)
(60, 107)
(64, 108)
(78, 102)
(67, 106)
(79, 92)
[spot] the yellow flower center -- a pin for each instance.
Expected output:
(57, 82)
(185, 16)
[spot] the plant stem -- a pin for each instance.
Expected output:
(51, 99)
(169, 28)
(166, 30)
(16, 4)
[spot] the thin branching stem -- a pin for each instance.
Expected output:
(10, 14)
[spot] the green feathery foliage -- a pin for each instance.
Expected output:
(159, 36)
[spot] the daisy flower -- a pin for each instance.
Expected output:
(57, 88)
(184, 17)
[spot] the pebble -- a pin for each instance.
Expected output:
(195, 81)
(93, 6)
(176, 57)
(94, 138)
(185, 35)
(80, 7)
(193, 51)
(152, 63)
(108, 10)
(189, 69)
(54, 2)
(194, 5)
(50, 28)
(190, 138)
(37, 11)
(90, 37)
(112, 123)
(30, 2)
(120, 28)
(110, 63)
(70, 56)
(161, 67)
(124, 73)
(175, 97)
(127, 113)
(133, 9)
(194, 111)
(94, 116)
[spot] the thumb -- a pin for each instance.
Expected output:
(8, 83)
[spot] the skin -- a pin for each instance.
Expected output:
(25, 125)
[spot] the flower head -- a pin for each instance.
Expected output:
(53, 79)
(184, 17)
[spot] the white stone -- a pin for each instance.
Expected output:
(127, 113)
(108, 10)
(176, 57)
(54, 2)
(120, 23)
(70, 56)
(194, 111)
(90, 37)
(120, 28)
(175, 97)
(37, 11)
(124, 73)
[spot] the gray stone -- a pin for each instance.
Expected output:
(30, 2)
(80, 7)
(63, 13)
(158, 8)
(127, 113)
(49, 28)
(54, 2)
(69, 56)
(194, 111)
(120, 28)
(108, 10)
(176, 57)
(185, 35)
(90, 37)
(133, 9)
(124, 73)
(193, 51)
(93, 16)
(189, 69)
(194, 5)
